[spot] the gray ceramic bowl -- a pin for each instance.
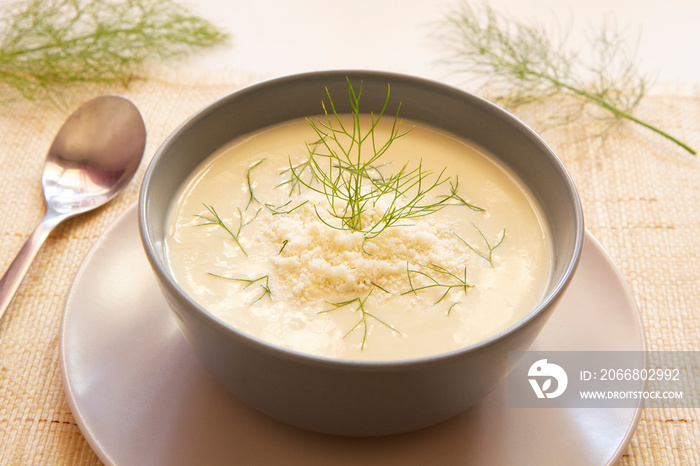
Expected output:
(345, 397)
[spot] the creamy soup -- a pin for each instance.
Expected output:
(268, 247)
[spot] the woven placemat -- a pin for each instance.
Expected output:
(640, 195)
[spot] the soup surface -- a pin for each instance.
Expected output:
(440, 247)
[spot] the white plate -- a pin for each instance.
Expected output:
(140, 396)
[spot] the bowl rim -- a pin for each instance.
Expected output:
(162, 270)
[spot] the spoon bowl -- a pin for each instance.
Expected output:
(93, 157)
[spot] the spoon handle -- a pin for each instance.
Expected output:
(10, 281)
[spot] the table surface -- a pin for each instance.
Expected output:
(640, 192)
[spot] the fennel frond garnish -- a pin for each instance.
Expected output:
(522, 64)
(264, 284)
(364, 314)
(344, 169)
(48, 45)
(251, 195)
(215, 219)
(438, 277)
(488, 257)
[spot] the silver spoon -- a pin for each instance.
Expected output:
(93, 157)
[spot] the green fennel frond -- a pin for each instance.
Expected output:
(48, 45)
(344, 167)
(215, 219)
(264, 284)
(522, 63)
(364, 315)
(435, 277)
(487, 256)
